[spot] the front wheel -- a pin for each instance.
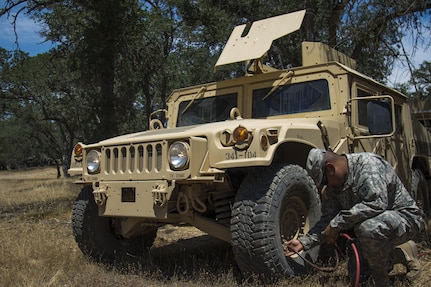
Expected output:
(273, 203)
(96, 235)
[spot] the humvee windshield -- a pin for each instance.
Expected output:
(206, 110)
(291, 99)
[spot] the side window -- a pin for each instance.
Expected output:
(362, 108)
(363, 113)
(398, 119)
(291, 99)
(206, 110)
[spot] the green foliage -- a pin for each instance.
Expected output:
(421, 79)
(97, 37)
(114, 62)
(34, 100)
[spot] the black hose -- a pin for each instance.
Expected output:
(319, 268)
(337, 258)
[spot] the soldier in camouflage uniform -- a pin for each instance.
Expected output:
(364, 194)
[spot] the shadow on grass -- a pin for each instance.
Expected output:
(199, 259)
(191, 258)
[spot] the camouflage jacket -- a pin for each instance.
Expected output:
(371, 187)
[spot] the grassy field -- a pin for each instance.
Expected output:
(38, 249)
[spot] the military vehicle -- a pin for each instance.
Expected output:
(228, 157)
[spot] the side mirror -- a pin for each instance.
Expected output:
(379, 117)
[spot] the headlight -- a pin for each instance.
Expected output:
(179, 155)
(93, 162)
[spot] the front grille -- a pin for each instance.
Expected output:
(134, 159)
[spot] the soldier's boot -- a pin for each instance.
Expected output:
(407, 254)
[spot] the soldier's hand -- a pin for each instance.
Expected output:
(292, 246)
(331, 234)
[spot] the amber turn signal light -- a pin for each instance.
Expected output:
(78, 150)
(240, 134)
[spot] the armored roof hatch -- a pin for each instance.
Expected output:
(243, 46)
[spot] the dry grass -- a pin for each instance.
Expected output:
(38, 249)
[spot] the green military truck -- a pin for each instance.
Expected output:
(229, 156)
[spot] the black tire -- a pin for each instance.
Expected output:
(273, 203)
(95, 234)
(420, 191)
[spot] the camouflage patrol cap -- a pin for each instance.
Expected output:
(315, 162)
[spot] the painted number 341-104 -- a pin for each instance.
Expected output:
(240, 155)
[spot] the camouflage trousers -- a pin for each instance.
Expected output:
(378, 236)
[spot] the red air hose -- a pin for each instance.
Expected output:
(357, 260)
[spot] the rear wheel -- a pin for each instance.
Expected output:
(420, 191)
(96, 236)
(273, 203)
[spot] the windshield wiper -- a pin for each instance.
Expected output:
(288, 76)
(199, 94)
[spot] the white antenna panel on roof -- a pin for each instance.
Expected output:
(259, 38)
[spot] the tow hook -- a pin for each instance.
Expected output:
(100, 195)
(160, 195)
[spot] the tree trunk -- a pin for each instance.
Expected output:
(334, 22)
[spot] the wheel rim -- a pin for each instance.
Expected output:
(420, 198)
(420, 192)
(294, 219)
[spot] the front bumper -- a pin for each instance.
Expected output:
(146, 199)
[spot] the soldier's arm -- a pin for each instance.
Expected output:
(330, 208)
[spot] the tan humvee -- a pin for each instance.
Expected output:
(228, 157)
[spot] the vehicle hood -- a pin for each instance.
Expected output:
(203, 130)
